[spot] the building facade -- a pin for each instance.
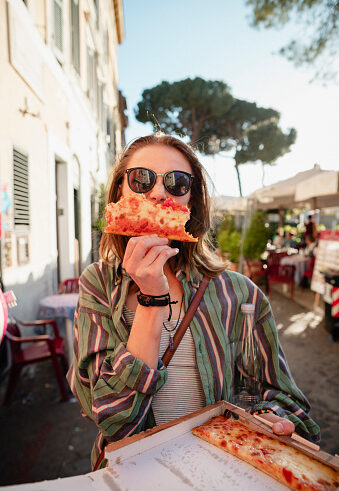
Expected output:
(61, 124)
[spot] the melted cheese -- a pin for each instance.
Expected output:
(135, 215)
(285, 463)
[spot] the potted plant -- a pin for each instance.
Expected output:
(255, 243)
(229, 240)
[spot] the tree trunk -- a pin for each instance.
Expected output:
(239, 180)
(194, 135)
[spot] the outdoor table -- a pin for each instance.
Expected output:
(301, 264)
(61, 305)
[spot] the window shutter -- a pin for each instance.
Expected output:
(90, 74)
(75, 34)
(20, 190)
(58, 17)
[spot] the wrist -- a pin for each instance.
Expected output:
(153, 300)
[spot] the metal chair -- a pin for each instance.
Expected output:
(71, 285)
(281, 275)
(42, 347)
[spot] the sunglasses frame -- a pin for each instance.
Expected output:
(190, 176)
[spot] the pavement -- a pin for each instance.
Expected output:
(42, 438)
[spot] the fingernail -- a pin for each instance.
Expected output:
(176, 250)
(279, 428)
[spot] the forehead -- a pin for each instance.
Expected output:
(160, 158)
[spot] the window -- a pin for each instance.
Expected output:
(20, 190)
(106, 48)
(100, 103)
(96, 3)
(57, 25)
(75, 34)
(90, 74)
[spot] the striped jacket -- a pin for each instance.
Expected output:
(115, 389)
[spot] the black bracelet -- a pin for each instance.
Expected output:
(156, 301)
(153, 300)
(263, 411)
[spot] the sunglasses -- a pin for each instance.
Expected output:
(142, 180)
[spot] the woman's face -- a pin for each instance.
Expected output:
(160, 159)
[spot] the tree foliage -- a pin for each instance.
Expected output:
(319, 40)
(213, 120)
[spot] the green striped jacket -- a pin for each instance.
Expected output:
(115, 389)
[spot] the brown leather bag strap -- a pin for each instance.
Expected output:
(186, 320)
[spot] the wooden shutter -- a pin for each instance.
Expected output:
(57, 24)
(75, 34)
(90, 74)
(20, 190)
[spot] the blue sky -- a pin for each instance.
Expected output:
(175, 39)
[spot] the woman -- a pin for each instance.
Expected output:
(117, 375)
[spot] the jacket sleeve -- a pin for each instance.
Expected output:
(281, 393)
(114, 388)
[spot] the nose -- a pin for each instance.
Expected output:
(158, 192)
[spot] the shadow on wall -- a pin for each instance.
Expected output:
(29, 293)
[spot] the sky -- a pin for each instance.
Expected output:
(176, 39)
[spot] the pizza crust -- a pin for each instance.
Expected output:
(136, 216)
(286, 464)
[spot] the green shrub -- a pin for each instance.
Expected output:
(229, 239)
(256, 236)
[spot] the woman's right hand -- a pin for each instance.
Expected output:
(144, 261)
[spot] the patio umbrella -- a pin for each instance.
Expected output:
(319, 191)
(282, 194)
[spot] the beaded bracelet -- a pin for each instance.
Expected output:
(263, 411)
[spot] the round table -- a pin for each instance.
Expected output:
(61, 305)
(300, 262)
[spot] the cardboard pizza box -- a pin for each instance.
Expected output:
(170, 457)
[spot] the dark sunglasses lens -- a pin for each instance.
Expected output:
(177, 183)
(141, 180)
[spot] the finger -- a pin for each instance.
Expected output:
(281, 426)
(162, 258)
(153, 253)
(137, 247)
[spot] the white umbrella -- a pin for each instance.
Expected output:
(320, 191)
(282, 194)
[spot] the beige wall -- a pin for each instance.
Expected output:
(47, 114)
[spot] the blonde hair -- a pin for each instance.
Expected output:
(200, 255)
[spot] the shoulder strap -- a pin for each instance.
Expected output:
(186, 321)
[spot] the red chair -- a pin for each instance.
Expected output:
(275, 258)
(256, 271)
(281, 275)
(307, 276)
(42, 347)
(71, 285)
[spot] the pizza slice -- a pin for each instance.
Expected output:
(136, 215)
(286, 464)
